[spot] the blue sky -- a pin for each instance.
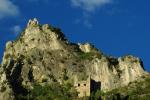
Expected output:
(116, 27)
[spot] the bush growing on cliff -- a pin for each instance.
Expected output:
(135, 91)
(54, 91)
(85, 56)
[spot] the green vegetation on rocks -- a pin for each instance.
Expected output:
(134, 91)
(54, 91)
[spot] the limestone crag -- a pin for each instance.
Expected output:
(43, 54)
(116, 72)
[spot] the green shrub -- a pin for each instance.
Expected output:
(85, 56)
(65, 77)
(3, 88)
(54, 91)
(7, 56)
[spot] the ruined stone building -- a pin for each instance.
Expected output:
(86, 87)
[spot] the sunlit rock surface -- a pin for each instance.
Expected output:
(43, 54)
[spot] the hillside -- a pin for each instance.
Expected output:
(137, 90)
(43, 65)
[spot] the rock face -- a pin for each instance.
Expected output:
(114, 73)
(42, 54)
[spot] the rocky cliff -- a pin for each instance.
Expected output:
(43, 54)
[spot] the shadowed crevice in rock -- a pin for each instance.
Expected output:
(30, 75)
(95, 86)
(14, 78)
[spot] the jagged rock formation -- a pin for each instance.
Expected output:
(43, 54)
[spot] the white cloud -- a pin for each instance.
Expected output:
(90, 5)
(16, 29)
(7, 8)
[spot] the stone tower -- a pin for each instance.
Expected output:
(83, 87)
